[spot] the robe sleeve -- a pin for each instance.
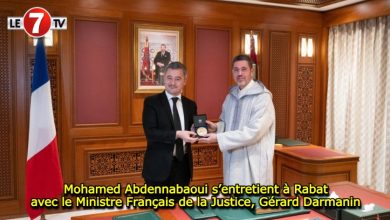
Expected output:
(221, 124)
(260, 122)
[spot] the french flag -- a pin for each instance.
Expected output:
(43, 170)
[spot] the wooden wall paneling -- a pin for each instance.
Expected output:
(221, 24)
(92, 13)
(305, 102)
(66, 39)
(109, 161)
(305, 91)
(359, 11)
(208, 164)
(136, 102)
(124, 72)
(69, 130)
(319, 102)
(280, 43)
(235, 46)
(22, 112)
(209, 9)
(292, 105)
(137, 106)
(7, 108)
(96, 73)
(189, 42)
(20, 118)
(265, 60)
(212, 68)
(260, 55)
(111, 125)
(13, 117)
(71, 166)
(323, 84)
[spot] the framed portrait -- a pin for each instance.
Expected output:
(155, 47)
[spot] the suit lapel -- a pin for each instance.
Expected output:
(185, 111)
(166, 107)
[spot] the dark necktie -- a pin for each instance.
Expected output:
(176, 120)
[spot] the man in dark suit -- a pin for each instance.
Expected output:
(168, 157)
(161, 60)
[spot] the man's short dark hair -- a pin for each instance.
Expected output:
(241, 57)
(176, 66)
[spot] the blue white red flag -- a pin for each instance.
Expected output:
(43, 170)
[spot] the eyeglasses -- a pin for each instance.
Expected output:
(237, 70)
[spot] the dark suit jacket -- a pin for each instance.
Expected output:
(160, 134)
(165, 59)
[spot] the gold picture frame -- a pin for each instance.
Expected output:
(155, 46)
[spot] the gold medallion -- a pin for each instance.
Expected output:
(201, 131)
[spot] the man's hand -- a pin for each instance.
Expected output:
(187, 136)
(209, 139)
(211, 127)
(160, 64)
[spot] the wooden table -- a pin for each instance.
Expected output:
(366, 195)
(313, 164)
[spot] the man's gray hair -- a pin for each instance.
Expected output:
(176, 66)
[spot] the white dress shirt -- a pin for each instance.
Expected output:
(179, 106)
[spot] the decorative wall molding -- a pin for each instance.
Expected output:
(115, 163)
(305, 102)
(205, 156)
(7, 149)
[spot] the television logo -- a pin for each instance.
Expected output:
(36, 22)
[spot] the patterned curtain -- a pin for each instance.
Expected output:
(358, 99)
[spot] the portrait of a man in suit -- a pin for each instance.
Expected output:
(161, 61)
(167, 119)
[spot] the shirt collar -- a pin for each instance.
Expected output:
(169, 96)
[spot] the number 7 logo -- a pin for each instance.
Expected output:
(35, 29)
(37, 22)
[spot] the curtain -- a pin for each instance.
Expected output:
(358, 97)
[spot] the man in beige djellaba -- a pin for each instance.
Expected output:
(246, 130)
